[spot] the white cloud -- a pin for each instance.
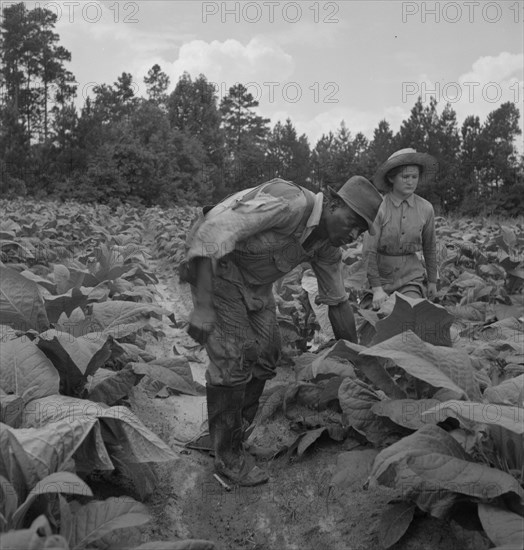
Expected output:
(495, 69)
(230, 61)
(492, 81)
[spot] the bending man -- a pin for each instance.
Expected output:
(235, 252)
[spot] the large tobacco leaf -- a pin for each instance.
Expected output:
(26, 371)
(392, 470)
(430, 463)
(118, 318)
(505, 423)
(372, 367)
(394, 522)
(46, 284)
(334, 361)
(510, 392)
(48, 448)
(509, 418)
(21, 305)
(67, 279)
(406, 412)
(504, 528)
(15, 465)
(75, 358)
(59, 482)
(97, 519)
(66, 303)
(11, 408)
(357, 400)
(168, 377)
(464, 476)
(77, 324)
(430, 322)
(109, 386)
(121, 429)
(439, 366)
(93, 454)
(36, 537)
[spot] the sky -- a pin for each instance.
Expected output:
(316, 62)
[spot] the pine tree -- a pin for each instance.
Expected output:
(245, 136)
(381, 146)
(157, 83)
(288, 156)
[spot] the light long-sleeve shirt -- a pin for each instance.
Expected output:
(403, 228)
(262, 231)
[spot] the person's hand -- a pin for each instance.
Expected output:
(432, 290)
(379, 297)
(201, 324)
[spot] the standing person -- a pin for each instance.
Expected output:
(235, 253)
(405, 225)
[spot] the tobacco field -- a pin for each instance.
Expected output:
(412, 439)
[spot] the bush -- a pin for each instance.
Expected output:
(11, 187)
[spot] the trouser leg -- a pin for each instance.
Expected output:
(265, 353)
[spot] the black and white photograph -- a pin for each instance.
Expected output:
(261, 275)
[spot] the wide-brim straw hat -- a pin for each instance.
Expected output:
(405, 157)
(362, 197)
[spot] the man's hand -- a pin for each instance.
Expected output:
(201, 324)
(432, 290)
(379, 297)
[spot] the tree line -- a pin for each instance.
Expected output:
(189, 147)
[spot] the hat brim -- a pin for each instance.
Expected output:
(427, 162)
(356, 209)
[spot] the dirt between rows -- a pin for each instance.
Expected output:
(297, 509)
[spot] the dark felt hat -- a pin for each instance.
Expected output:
(362, 197)
(405, 157)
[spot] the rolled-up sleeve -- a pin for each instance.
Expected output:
(327, 265)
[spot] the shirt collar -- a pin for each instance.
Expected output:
(397, 202)
(314, 218)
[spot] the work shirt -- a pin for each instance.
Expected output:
(262, 231)
(404, 227)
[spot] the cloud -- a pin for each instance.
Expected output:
(229, 62)
(495, 69)
(491, 81)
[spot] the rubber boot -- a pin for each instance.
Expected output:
(224, 410)
(254, 390)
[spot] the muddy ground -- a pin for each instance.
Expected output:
(298, 509)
